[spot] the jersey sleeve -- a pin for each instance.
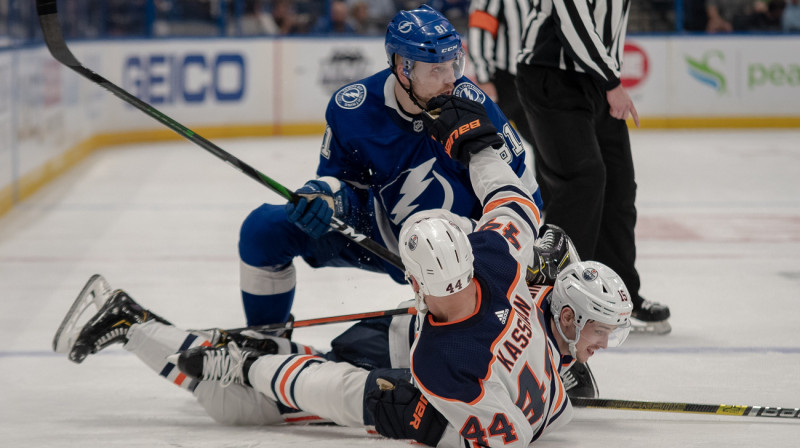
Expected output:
(513, 152)
(580, 39)
(508, 207)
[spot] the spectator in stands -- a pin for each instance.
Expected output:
(370, 17)
(359, 12)
(725, 16)
(379, 11)
(336, 22)
(456, 11)
(124, 18)
(695, 16)
(790, 21)
(281, 19)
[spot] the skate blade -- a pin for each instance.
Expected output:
(96, 292)
(657, 328)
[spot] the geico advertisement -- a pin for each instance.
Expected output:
(736, 76)
(195, 82)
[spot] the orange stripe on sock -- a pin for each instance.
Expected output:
(301, 419)
(206, 344)
(180, 378)
(286, 376)
(484, 21)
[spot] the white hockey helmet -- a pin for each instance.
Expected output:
(438, 254)
(594, 292)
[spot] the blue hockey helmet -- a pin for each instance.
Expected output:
(423, 35)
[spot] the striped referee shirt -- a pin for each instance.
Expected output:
(585, 36)
(495, 28)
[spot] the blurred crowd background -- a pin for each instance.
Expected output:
(159, 18)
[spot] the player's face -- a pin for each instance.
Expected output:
(432, 80)
(594, 337)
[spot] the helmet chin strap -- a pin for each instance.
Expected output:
(572, 343)
(410, 92)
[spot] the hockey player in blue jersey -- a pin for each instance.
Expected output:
(378, 164)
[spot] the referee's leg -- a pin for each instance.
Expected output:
(616, 246)
(569, 161)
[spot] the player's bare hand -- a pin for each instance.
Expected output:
(621, 104)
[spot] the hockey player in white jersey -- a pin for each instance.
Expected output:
(485, 359)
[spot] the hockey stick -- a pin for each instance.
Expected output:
(54, 38)
(690, 408)
(327, 320)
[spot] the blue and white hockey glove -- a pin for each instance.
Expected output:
(462, 126)
(320, 199)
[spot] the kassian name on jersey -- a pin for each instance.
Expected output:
(521, 335)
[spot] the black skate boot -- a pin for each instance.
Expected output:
(246, 339)
(650, 317)
(228, 364)
(110, 325)
(579, 381)
(92, 297)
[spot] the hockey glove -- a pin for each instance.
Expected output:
(462, 126)
(401, 412)
(551, 254)
(318, 201)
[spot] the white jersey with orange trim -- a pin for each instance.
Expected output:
(495, 374)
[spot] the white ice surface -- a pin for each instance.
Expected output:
(718, 241)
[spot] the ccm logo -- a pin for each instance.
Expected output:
(459, 132)
(449, 48)
(419, 412)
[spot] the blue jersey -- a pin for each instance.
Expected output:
(394, 165)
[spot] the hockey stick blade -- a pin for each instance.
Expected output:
(689, 408)
(54, 39)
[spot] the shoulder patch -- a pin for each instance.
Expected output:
(352, 96)
(469, 91)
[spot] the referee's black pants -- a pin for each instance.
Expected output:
(508, 101)
(584, 166)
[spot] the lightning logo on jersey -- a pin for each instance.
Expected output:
(413, 184)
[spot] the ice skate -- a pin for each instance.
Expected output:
(227, 364)
(109, 326)
(650, 317)
(245, 339)
(96, 292)
(579, 381)
(555, 250)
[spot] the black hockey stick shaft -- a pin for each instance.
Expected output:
(54, 38)
(689, 408)
(328, 320)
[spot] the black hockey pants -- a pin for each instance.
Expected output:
(584, 166)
